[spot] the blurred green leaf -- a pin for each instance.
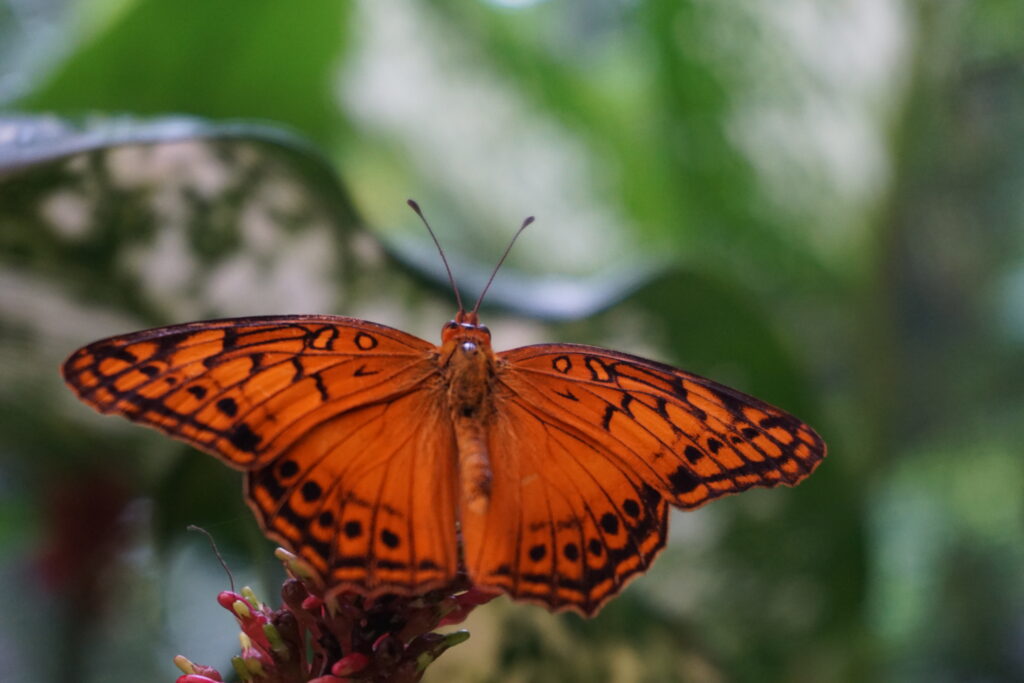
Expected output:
(268, 60)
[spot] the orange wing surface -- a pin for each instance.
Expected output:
(589, 448)
(336, 422)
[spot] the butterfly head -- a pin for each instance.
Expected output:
(468, 360)
(466, 333)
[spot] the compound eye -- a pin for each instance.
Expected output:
(485, 329)
(451, 325)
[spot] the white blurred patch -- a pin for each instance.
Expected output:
(69, 213)
(815, 110)
(297, 280)
(285, 257)
(165, 265)
(169, 165)
(475, 137)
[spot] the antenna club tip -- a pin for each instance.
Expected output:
(413, 205)
(529, 219)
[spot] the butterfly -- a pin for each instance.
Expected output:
(393, 465)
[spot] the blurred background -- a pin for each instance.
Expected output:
(819, 203)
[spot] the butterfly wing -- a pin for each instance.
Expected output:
(322, 412)
(367, 497)
(612, 439)
(568, 524)
(690, 438)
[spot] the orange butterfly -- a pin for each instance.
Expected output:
(392, 465)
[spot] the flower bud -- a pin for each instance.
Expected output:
(350, 664)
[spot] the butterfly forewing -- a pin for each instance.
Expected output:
(689, 438)
(243, 388)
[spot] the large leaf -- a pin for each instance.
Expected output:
(154, 214)
(267, 60)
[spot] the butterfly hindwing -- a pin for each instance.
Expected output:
(691, 439)
(367, 497)
(568, 525)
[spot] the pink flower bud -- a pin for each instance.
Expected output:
(350, 664)
(227, 598)
(312, 603)
(467, 602)
(191, 668)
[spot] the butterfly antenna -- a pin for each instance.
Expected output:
(451, 278)
(529, 219)
(216, 551)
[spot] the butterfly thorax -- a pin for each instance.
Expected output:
(468, 366)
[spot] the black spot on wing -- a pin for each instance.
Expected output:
(624, 404)
(243, 438)
(733, 404)
(389, 538)
(683, 480)
(391, 564)
(679, 389)
(610, 523)
(266, 479)
(311, 491)
(300, 371)
(230, 338)
(320, 387)
(361, 371)
(606, 420)
(228, 406)
(778, 421)
(120, 353)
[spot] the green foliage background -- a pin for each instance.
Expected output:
(819, 203)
